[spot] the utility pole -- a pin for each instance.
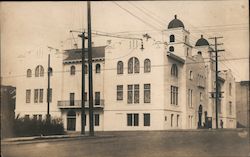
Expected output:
(216, 76)
(48, 90)
(83, 83)
(91, 116)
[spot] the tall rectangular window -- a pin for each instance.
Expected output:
(136, 119)
(119, 92)
(177, 120)
(72, 99)
(97, 98)
(172, 116)
(132, 119)
(97, 119)
(129, 119)
(130, 94)
(230, 108)
(50, 95)
(147, 92)
(36, 95)
(133, 94)
(174, 95)
(136, 93)
(28, 95)
(230, 89)
(85, 96)
(190, 97)
(146, 119)
(41, 95)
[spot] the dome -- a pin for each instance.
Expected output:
(175, 23)
(202, 42)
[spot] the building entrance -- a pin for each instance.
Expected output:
(71, 121)
(200, 116)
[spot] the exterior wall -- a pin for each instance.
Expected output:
(78, 120)
(23, 83)
(163, 114)
(180, 45)
(194, 82)
(229, 119)
(120, 51)
(179, 82)
(117, 120)
(242, 103)
(72, 84)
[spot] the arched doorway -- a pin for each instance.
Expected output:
(71, 120)
(200, 116)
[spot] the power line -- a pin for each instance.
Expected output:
(146, 13)
(135, 15)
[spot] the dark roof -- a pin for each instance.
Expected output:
(175, 57)
(76, 54)
(175, 23)
(202, 42)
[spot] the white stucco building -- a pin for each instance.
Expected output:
(167, 84)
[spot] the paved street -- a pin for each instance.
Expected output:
(142, 144)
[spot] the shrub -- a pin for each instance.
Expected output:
(34, 127)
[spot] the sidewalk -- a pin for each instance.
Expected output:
(109, 134)
(32, 139)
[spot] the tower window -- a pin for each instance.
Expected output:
(172, 38)
(171, 49)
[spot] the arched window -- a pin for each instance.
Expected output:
(201, 96)
(133, 65)
(29, 73)
(174, 70)
(230, 88)
(120, 67)
(97, 68)
(191, 75)
(185, 39)
(72, 70)
(39, 71)
(171, 49)
(85, 69)
(130, 66)
(137, 65)
(147, 66)
(172, 38)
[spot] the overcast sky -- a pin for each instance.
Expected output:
(28, 26)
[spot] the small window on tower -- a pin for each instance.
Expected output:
(172, 38)
(171, 49)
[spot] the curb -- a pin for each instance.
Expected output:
(38, 139)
